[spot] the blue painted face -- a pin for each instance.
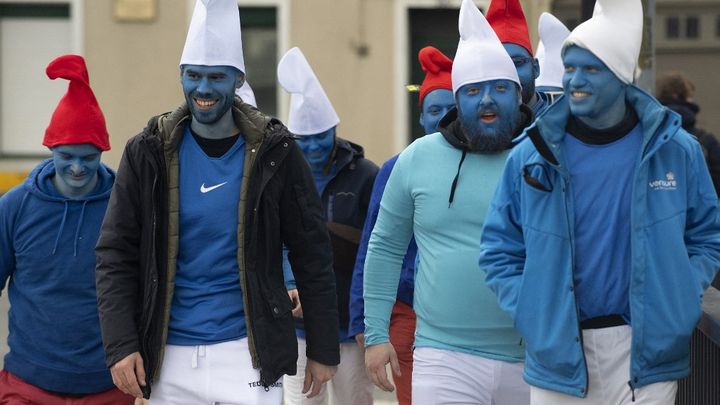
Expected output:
(595, 94)
(528, 69)
(489, 113)
(76, 168)
(317, 148)
(209, 90)
(435, 105)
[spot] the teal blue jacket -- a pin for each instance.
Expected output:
(527, 249)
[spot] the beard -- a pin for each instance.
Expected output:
(491, 140)
(528, 91)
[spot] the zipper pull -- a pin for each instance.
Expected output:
(632, 390)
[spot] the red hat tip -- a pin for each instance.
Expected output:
(77, 118)
(437, 68)
(507, 19)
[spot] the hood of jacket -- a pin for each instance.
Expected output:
(40, 184)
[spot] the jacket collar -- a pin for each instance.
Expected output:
(251, 122)
(548, 131)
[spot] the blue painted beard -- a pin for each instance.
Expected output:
(489, 114)
(527, 69)
(484, 140)
(209, 91)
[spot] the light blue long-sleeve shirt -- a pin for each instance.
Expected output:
(455, 310)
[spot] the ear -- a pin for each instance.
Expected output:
(239, 79)
(536, 68)
(421, 121)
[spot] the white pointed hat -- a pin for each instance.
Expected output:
(614, 35)
(480, 55)
(552, 35)
(246, 94)
(310, 109)
(214, 37)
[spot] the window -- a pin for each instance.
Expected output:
(260, 48)
(427, 26)
(692, 27)
(672, 27)
(31, 35)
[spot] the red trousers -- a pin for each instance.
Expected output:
(14, 391)
(402, 337)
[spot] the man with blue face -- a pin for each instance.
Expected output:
(466, 350)
(603, 233)
(189, 275)
(48, 229)
(344, 180)
(435, 99)
(508, 21)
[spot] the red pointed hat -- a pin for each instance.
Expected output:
(77, 118)
(506, 17)
(437, 68)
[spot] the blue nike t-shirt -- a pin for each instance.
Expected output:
(207, 305)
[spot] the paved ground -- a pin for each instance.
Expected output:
(381, 398)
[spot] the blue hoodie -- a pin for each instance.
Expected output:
(48, 253)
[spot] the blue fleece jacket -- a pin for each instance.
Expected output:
(407, 276)
(48, 253)
(528, 248)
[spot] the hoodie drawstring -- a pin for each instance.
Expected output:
(457, 177)
(79, 225)
(77, 229)
(62, 227)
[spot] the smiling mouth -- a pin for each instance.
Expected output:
(488, 117)
(579, 94)
(204, 104)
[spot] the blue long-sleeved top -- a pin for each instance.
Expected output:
(407, 276)
(455, 310)
(48, 253)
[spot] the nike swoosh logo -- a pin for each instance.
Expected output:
(204, 189)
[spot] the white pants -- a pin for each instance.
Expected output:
(447, 377)
(215, 374)
(350, 385)
(607, 353)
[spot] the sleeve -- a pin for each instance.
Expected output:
(117, 271)
(702, 229)
(357, 304)
(8, 208)
(305, 234)
(502, 245)
(386, 249)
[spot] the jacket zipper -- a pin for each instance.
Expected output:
(243, 278)
(571, 233)
(646, 150)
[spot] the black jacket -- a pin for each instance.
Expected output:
(137, 248)
(708, 141)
